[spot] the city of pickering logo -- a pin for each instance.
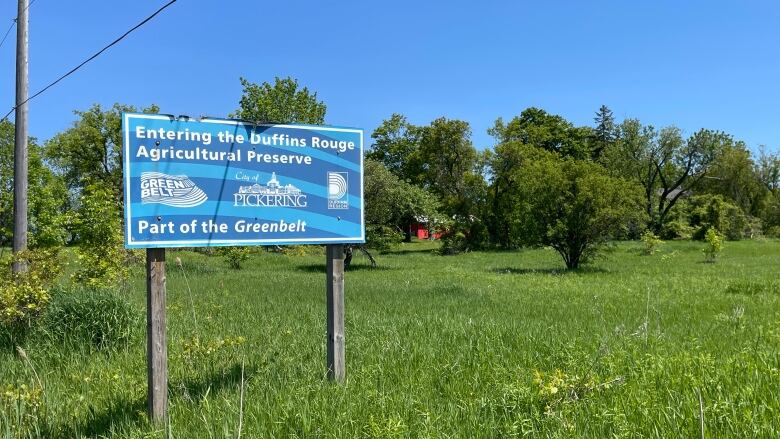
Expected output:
(273, 194)
(171, 190)
(337, 190)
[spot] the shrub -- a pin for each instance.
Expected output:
(677, 229)
(454, 242)
(234, 256)
(773, 232)
(714, 244)
(302, 250)
(381, 237)
(25, 295)
(652, 243)
(713, 211)
(97, 317)
(97, 225)
(464, 234)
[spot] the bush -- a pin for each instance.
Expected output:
(381, 237)
(714, 244)
(464, 234)
(302, 250)
(677, 229)
(713, 211)
(97, 317)
(454, 242)
(652, 243)
(234, 256)
(98, 228)
(25, 295)
(773, 232)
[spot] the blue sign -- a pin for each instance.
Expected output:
(213, 182)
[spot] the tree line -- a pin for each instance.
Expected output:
(545, 181)
(548, 182)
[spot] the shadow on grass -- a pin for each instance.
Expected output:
(551, 271)
(119, 416)
(320, 268)
(195, 388)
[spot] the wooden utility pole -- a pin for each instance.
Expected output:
(20, 137)
(156, 342)
(335, 304)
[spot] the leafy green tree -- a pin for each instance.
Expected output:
(536, 127)
(392, 205)
(446, 161)
(768, 169)
(503, 193)
(768, 172)
(666, 166)
(573, 206)
(280, 102)
(734, 175)
(47, 195)
(91, 151)
(396, 141)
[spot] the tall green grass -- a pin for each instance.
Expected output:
(503, 344)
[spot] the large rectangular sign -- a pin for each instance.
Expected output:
(212, 182)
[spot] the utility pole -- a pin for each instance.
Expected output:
(20, 139)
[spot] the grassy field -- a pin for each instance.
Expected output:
(477, 345)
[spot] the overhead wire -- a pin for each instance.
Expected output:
(13, 22)
(73, 70)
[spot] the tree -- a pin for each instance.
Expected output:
(735, 176)
(446, 160)
(91, 151)
(282, 102)
(666, 166)
(768, 169)
(536, 127)
(605, 133)
(391, 205)
(396, 141)
(47, 195)
(573, 206)
(504, 165)
(533, 128)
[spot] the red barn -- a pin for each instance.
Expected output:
(420, 229)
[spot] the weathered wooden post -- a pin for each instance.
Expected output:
(335, 304)
(156, 343)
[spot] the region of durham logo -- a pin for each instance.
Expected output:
(171, 190)
(273, 194)
(337, 190)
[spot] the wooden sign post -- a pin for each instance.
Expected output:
(156, 342)
(335, 303)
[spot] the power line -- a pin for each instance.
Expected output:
(73, 70)
(13, 22)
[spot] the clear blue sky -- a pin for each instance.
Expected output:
(712, 64)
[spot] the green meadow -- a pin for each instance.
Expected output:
(477, 345)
